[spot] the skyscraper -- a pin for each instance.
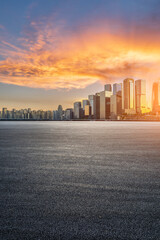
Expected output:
(116, 104)
(94, 101)
(87, 112)
(105, 97)
(128, 96)
(91, 99)
(84, 103)
(117, 87)
(140, 96)
(55, 115)
(156, 97)
(78, 110)
(60, 112)
(108, 87)
(4, 113)
(96, 113)
(69, 113)
(105, 104)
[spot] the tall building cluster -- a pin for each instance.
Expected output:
(114, 102)
(26, 114)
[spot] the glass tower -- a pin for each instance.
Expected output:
(140, 95)
(128, 93)
(156, 97)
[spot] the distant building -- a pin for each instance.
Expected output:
(91, 99)
(69, 114)
(156, 97)
(9, 115)
(116, 88)
(60, 112)
(78, 111)
(87, 111)
(4, 113)
(128, 96)
(84, 103)
(48, 115)
(140, 96)
(13, 113)
(108, 87)
(43, 115)
(96, 113)
(116, 105)
(55, 115)
(105, 97)
(94, 101)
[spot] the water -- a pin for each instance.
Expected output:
(80, 180)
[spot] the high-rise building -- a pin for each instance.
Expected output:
(140, 96)
(84, 103)
(128, 96)
(60, 112)
(91, 99)
(55, 115)
(13, 113)
(78, 110)
(116, 105)
(94, 101)
(87, 111)
(156, 97)
(4, 113)
(108, 87)
(105, 104)
(48, 115)
(105, 101)
(96, 113)
(117, 87)
(69, 114)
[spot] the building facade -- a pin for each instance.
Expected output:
(69, 114)
(77, 110)
(105, 97)
(156, 97)
(116, 88)
(84, 103)
(140, 96)
(116, 105)
(87, 112)
(128, 96)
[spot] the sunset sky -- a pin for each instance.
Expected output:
(59, 51)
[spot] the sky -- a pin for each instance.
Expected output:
(59, 51)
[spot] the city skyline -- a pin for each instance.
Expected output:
(113, 87)
(117, 101)
(60, 51)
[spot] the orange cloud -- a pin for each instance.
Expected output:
(54, 58)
